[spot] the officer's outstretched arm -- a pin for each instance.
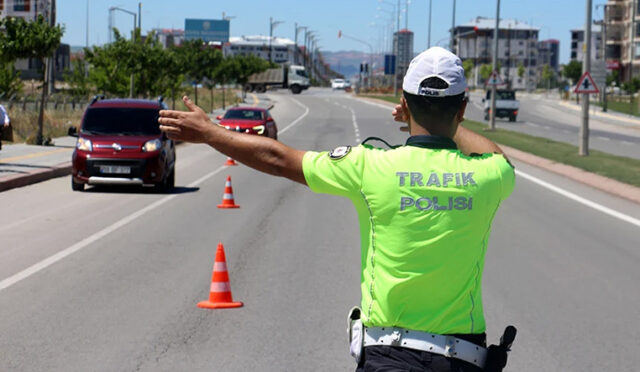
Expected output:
(261, 153)
(470, 142)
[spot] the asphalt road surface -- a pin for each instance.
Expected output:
(108, 279)
(544, 116)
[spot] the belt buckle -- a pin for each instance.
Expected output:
(396, 337)
(450, 346)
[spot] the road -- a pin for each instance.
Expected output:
(546, 117)
(108, 280)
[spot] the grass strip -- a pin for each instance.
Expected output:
(620, 168)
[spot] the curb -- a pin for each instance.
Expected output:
(596, 181)
(19, 180)
(626, 118)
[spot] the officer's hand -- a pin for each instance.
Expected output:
(400, 114)
(189, 126)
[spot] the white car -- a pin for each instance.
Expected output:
(338, 84)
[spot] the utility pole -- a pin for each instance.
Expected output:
(586, 67)
(429, 33)
(140, 18)
(453, 28)
(494, 66)
(396, 50)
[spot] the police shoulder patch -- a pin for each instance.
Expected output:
(339, 152)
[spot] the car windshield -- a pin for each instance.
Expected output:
(121, 121)
(243, 114)
(338, 81)
(302, 73)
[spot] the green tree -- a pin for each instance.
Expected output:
(547, 74)
(78, 80)
(613, 77)
(521, 70)
(485, 71)
(572, 71)
(10, 82)
(34, 39)
(110, 66)
(198, 61)
(468, 67)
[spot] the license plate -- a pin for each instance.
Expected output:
(115, 169)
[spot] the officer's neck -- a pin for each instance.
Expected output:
(416, 129)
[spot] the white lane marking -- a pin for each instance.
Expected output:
(566, 131)
(626, 142)
(356, 130)
(581, 200)
(603, 138)
(306, 111)
(532, 124)
(39, 266)
(546, 128)
(374, 104)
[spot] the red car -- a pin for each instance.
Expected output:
(252, 120)
(120, 143)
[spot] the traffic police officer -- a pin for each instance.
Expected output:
(425, 211)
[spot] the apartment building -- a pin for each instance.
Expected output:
(168, 37)
(549, 53)
(29, 9)
(517, 45)
(282, 49)
(622, 37)
(403, 44)
(578, 47)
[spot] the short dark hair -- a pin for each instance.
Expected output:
(429, 110)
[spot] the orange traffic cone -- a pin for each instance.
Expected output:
(227, 198)
(220, 292)
(230, 161)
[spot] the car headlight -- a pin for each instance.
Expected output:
(259, 129)
(153, 145)
(84, 144)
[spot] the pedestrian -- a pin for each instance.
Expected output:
(425, 210)
(5, 122)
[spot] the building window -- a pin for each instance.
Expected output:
(1, 5)
(573, 55)
(22, 6)
(636, 53)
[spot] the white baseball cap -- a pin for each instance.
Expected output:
(435, 62)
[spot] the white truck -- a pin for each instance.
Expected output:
(506, 104)
(293, 77)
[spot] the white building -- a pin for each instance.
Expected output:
(517, 45)
(578, 47)
(282, 49)
(27, 9)
(168, 37)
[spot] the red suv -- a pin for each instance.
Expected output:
(120, 143)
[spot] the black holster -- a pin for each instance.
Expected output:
(497, 354)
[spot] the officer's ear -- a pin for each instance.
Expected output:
(461, 110)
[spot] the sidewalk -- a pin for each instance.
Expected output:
(22, 165)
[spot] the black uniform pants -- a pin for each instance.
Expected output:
(392, 358)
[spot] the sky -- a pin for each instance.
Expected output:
(369, 21)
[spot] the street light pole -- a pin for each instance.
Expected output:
(272, 25)
(453, 27)
(396, 50)
(370, 71)
(429, 33)
(586, 67)
(494, 66)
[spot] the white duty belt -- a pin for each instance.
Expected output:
(448, 346)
